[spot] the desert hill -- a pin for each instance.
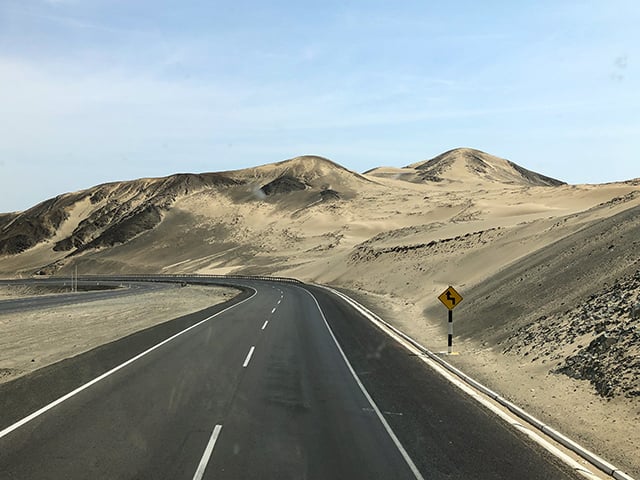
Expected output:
(467, 165)
(548, 271)
(115, 213)
(134, 205)
(311, 170)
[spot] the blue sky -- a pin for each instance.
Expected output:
(101, 90)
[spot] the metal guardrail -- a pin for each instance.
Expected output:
(175, 277)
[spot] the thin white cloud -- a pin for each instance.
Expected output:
(57, 14)
(59, 2)
(117, 100)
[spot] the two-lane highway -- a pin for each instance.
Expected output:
(287, 383)
(298, 411)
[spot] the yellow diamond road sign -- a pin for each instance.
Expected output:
(450, 298)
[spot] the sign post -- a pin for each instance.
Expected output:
(450, 299)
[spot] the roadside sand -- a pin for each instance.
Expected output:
(9, 292)
(608, 427)
(34, 339)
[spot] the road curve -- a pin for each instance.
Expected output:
(89, 291)
(286, 381)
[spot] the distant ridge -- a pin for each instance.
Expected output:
(467, 165)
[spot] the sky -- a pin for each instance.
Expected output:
(93, 91)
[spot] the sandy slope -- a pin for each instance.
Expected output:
(525, 255)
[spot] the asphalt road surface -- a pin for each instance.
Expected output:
(88, 291)
(284, 382)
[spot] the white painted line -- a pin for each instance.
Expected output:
(375, 408)
(73, 393)
(207, 453)
(274, 310)
(266, 322)
(279, 301)
(581, 469)
(248, 359)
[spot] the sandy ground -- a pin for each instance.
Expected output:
(8, 292)
(37, 338)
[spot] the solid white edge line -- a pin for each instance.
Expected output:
(57, 402)
(249, 355)
(532, 434)
(266, 322)
(207, 453)
(383, 420)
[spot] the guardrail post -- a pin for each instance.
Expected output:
(450, 339)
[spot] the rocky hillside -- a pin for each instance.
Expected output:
(115, 213)
(118, 212)
(21, 231)
(598, 340)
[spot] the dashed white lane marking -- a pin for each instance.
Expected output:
(273, 310)
(266, 322)
(248, 359)
(279, 301)
(371, 410)
(207, 453)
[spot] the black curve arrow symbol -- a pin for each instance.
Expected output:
(450, 298)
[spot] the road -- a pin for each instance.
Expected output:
(88, 291)
(285, 382)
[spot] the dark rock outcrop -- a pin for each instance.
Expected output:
(283, 184)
